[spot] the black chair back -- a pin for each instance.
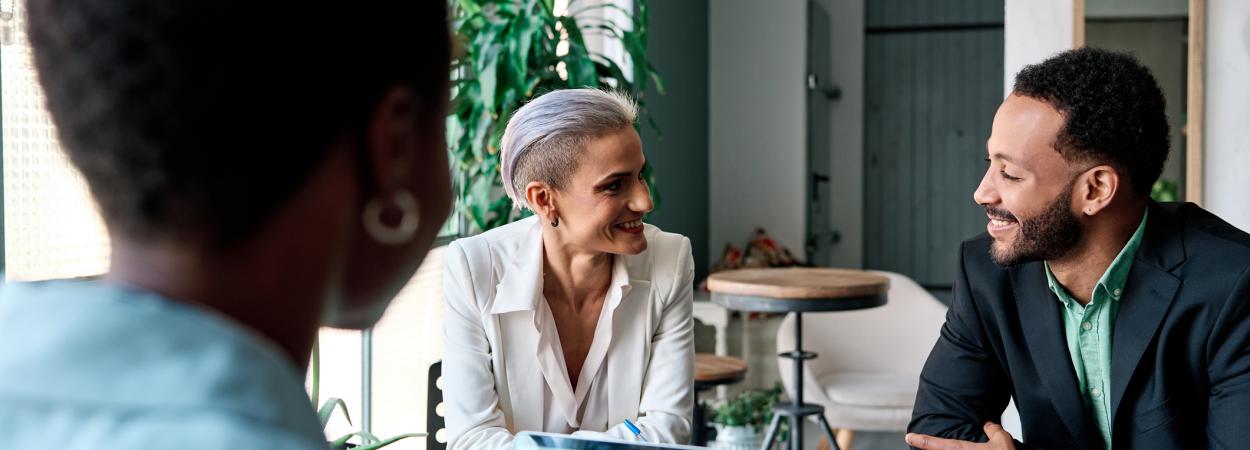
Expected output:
(435, 424)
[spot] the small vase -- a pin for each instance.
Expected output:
(735, 438)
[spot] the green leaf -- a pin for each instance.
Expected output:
(327, 409)
(368, 437)
(470, 7)
(341, 442)
(389, 441)
(487, 78)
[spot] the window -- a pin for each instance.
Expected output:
(51, 227)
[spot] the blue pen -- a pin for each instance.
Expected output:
(634, 429)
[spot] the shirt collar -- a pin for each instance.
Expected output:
(520, 289)
(1113, 279)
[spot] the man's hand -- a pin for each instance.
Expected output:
(1000, 439)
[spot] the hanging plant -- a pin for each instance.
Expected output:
(510, 52)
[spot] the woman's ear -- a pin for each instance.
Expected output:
(541, 199)
(393, 143)
(1097, 188)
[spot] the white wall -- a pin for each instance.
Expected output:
(847, 131)
(757, 121)
(1034, 30)
(1226, 158)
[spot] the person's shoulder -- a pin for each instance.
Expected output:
(978, 271)
(660, 241)
(665, 259)
(502, 234)
(477, 249)
(59, 426)
(974, 254)
(1208, 235)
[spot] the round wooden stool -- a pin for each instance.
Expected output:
(711, 371)
(798, 290)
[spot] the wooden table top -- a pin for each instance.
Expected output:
(709, 367)
(798, 283)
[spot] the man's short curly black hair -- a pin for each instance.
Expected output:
(198, 119)
(1113, 109)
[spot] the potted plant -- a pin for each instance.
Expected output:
(367, 440)
(740, 422)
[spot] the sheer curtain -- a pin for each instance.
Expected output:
(51, 226)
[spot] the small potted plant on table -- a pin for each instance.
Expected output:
(741, 422)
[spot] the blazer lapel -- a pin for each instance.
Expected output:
(519, 342)
(630, 349)
(1148, 295)
(515, 303)
(1042, 321)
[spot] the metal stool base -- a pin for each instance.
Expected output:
(798, 411)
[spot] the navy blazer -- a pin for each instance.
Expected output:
(1180, 357)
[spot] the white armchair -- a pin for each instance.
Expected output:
(869, 360)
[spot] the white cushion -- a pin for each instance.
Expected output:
(875, 390)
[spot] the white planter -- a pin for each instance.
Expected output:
(735, 438)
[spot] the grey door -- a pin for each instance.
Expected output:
(933, 80)
(820, 94)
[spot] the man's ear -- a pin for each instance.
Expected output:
(1097, 186)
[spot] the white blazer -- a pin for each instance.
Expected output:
(493, 385)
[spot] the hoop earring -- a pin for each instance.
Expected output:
(555, 222)
(385, 234)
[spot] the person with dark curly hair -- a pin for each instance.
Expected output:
(1110, 319)
(264, 169)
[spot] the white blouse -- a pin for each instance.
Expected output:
(582, 407)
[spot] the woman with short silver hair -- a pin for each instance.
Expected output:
(579, 317)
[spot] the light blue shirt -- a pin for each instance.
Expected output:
(93, 365)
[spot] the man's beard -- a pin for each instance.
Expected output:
(1044, 237)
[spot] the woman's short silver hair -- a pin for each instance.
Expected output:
(544, 139)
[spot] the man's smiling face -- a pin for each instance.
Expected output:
(1027, 188)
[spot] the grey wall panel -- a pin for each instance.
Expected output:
(930, 99)
(679, 49)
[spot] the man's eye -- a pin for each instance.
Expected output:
(613, 186)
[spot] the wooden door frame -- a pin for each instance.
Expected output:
(1194, 109)
(1194, 90)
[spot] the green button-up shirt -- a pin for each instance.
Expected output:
(1089, 329)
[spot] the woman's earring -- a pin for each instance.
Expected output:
(409, 218)
(555, 222)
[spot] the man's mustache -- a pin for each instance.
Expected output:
(999, 213)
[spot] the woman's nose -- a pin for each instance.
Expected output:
(640, 199)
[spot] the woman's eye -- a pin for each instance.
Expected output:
(1009, 177)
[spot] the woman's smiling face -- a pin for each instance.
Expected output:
(601, 207)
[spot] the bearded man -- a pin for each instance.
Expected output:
(1111, 320)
